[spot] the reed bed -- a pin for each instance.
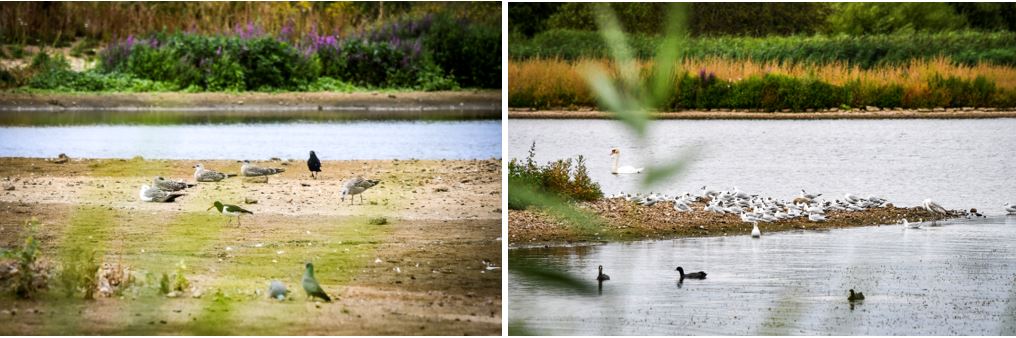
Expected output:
(559, 83)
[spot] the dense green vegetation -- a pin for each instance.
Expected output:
(772, 92)
(768, 19)
(967, 47)
(427, 51)
(556, 178)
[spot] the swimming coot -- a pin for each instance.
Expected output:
(693, 275)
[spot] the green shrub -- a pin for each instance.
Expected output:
(860, 18)
(377, 221)
(472, 56)
(557, 178)
(325, 83)
(85, 47)
(29, 277)
(78, 274)
(18, 51)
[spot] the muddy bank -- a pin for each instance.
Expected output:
(950, 113)
(623, 220)
(432, 267)
(485, 100)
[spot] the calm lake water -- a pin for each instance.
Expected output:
(956, 279)
(958, 163)
(334, 136)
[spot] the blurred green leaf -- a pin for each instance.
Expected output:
(527, 194)
(550, 276)
(668, 56)
(615, 101)
(659, 173)
(518, 328)
(622, 97)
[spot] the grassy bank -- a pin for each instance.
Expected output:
(724, 83)
(485, 103)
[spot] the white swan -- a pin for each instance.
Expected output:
(755, 233)
(616, 154)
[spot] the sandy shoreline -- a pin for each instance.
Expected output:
(481, 100)
(433, 269)
(517, 113)
(625, 221)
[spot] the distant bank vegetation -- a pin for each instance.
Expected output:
(793, 56)
(255, 46)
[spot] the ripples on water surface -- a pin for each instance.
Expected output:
(231, 135)
(959, 163)
(959, 278)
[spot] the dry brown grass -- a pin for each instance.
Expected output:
(554, 81)
(544, 76)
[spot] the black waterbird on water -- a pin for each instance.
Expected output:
(602, 276)
(855, 296)
(314, 165)
(693, 275)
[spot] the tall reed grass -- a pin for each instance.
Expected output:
(557, 83)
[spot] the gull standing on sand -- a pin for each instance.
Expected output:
(167, 185)
(356, 186)
(206, 175)
(149, 194)
(314, 165)
(230, 210)
(311, 286)
(615, 153)
(250, 170)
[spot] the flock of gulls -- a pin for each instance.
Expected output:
(753, 208)
(163, 190)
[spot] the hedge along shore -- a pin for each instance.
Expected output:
(488, 101)
(727, 114)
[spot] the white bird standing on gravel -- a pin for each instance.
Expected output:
(615, 153)
(934, 207)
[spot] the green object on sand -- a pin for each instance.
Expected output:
(311, 285)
